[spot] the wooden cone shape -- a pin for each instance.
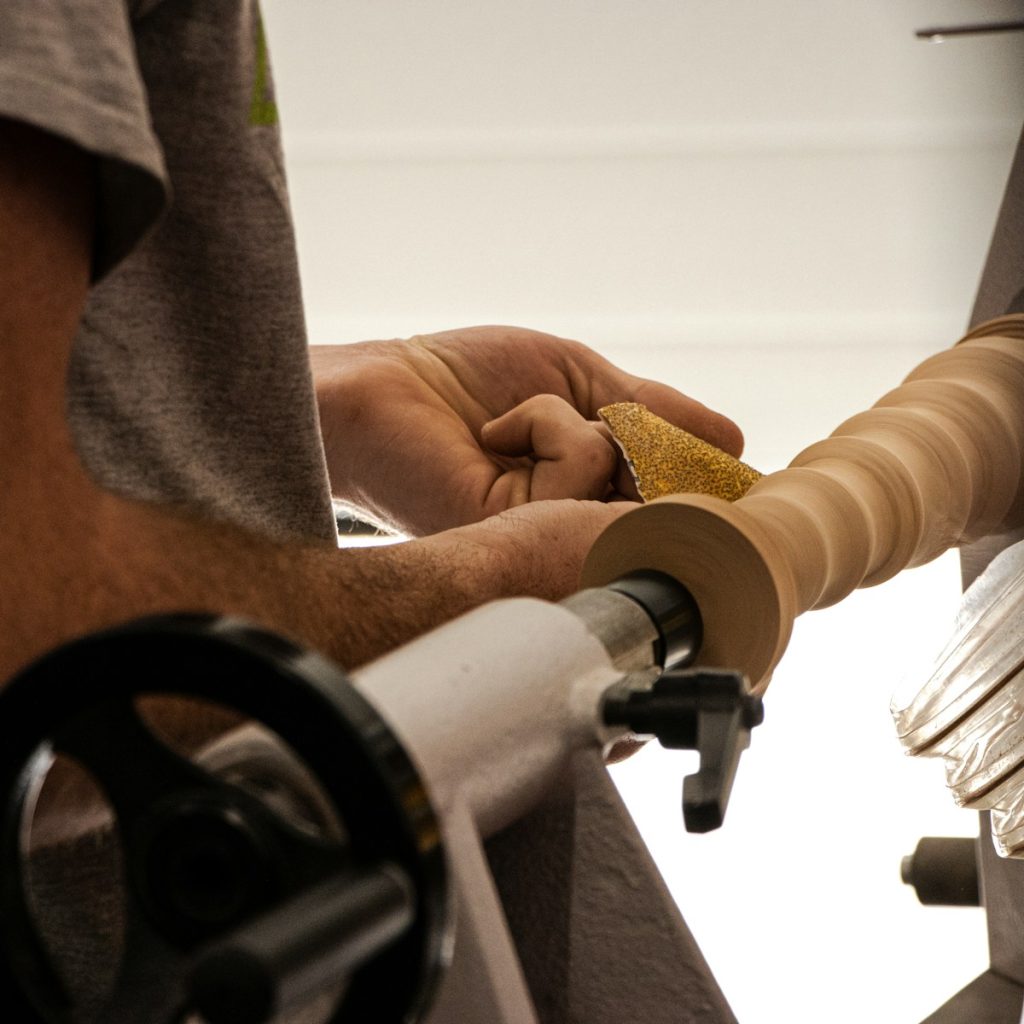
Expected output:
(935, 463)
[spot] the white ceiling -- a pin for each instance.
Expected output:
(395, 65)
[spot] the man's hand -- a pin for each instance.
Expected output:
(536, 549)
(420, 435)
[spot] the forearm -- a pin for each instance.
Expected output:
(86, 560)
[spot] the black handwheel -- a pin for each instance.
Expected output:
(229, 907)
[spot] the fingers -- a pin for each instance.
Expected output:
(691, 415)
(573, 457)
(624, 486)
(600, 382)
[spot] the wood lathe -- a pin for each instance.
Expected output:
(491, 729)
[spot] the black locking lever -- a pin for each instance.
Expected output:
(708, 710)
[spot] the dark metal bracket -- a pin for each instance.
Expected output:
(708, 710)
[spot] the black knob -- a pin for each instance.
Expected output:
(944, 872)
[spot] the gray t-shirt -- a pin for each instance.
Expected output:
(190, 379)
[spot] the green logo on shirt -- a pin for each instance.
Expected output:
(263, 110)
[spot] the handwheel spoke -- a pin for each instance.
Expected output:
(138, 770)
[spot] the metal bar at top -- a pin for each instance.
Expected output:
(938, 33)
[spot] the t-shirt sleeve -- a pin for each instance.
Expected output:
(69, 67)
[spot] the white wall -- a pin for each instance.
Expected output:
(780, 207)
(649, 170)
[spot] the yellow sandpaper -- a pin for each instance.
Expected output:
(664, 459)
